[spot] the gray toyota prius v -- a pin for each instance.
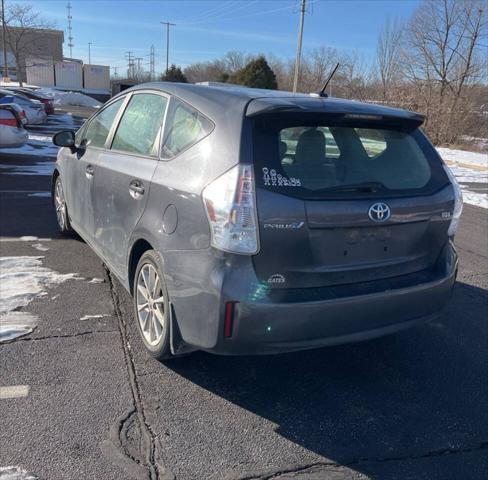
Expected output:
(247, 221)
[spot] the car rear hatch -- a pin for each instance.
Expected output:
(345, 198)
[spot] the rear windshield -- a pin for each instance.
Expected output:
(317, 159)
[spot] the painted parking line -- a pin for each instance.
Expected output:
(14, 391)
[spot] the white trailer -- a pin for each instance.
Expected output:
(68, 75)
(40, 72)
(96, 77)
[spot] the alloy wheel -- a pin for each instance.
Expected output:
(60, 205)
(150, 304)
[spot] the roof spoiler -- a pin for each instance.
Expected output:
(269, 106)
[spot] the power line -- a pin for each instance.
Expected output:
(168, 24)
(299, 45)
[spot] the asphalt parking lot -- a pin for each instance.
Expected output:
(93, 405)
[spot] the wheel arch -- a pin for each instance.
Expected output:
(138, 249)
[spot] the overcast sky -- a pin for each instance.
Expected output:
(207, 29)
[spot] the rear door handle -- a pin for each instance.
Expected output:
(136, 189)
(89, 171)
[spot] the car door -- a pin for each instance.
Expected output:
(124, 175)
(79, 167)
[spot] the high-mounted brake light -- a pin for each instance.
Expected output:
(458, 202)
(231, 211)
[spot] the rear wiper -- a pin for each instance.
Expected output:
(367, 187)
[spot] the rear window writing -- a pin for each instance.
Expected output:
(319, 158)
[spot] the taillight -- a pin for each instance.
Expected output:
(458, 202)
(22, 114)
(9, 122)
(231, 210)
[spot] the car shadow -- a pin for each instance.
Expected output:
(414, 393)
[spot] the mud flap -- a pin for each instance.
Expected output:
(177, 345)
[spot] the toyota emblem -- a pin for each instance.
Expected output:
(379, 212)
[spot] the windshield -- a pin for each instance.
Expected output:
(316, 159)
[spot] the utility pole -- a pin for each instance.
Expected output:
(115, 72)
(138, 72)
(89, 52)
(168, 24)
(4, 36)
(299, 46)
(70, 31)
(152, 64)
(130, 64)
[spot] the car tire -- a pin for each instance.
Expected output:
(61, 208)
(151, 306)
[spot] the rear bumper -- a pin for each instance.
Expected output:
(263, 326)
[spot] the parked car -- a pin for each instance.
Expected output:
(12, 131)
(34, 110)
(248, 221)
(33, 95)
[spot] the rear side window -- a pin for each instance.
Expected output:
(314, 160)
(140, 124)
(185, 126)
(98, 129)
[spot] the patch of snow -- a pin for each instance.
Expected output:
(96, 280)
(475, 198)
(464, 157)
(70, 98)
(94, 317)
(40, 247)
(39, 168)
(16, 324)
(28, 238)
(16, 473)
(468, 175)
(40, 138)
(24, 278)
(39, 194)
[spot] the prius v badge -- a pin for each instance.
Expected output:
(379, 212)
(284, 226)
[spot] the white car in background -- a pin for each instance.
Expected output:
(12, 131)
(34, 109)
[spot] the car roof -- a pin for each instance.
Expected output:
(211, 97)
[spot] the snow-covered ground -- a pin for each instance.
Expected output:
(463, 157)
(15, 473)
(22, 279)
(70, 98)
(471, 171)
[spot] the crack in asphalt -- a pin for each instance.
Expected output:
(49, 337)
(147, 443)
(275, 474)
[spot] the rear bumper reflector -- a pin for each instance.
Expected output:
(228, 319)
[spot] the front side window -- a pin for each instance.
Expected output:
(140, 124)
(95, 135)
(185, 127)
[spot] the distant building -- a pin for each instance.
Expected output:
(45, 44)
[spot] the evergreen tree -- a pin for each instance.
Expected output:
(174, 74)
(257, 74)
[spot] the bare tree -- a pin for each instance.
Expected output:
(444, 55)
(388, 52)
(20, 20)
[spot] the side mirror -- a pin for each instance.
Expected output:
(66, 138)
